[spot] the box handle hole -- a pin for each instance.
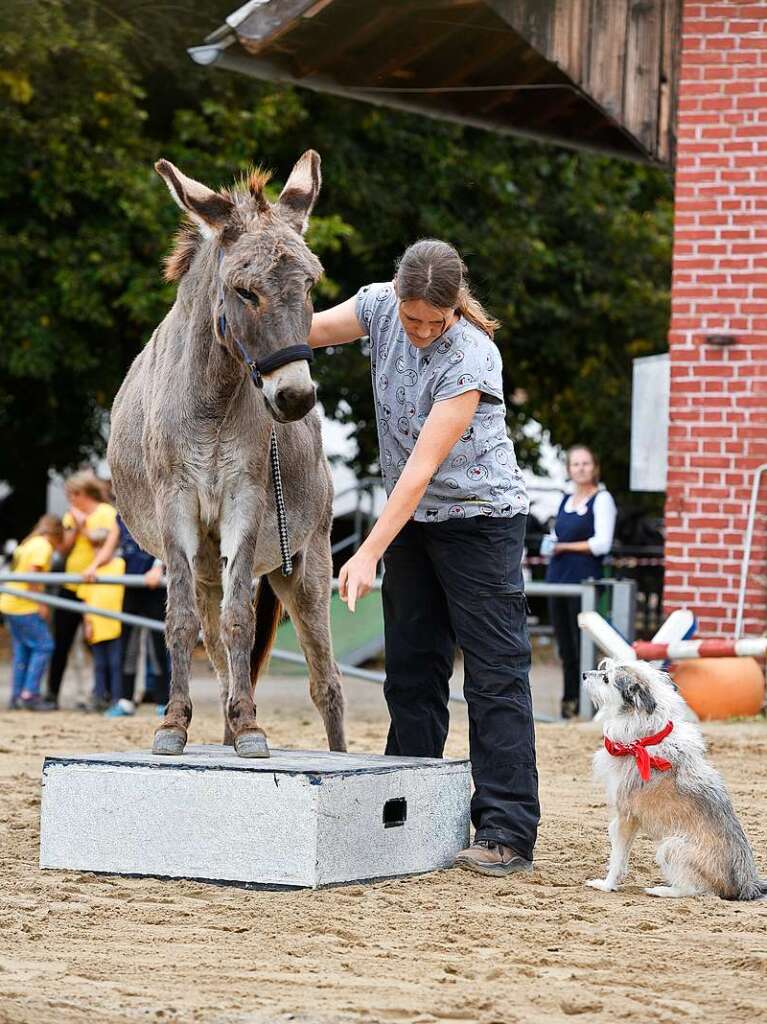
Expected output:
(395, 812)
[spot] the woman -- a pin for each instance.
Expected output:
(584, 530)
(26, 619)
(451, 537)
(90, 538)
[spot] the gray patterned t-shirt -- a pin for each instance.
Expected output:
(480, 476)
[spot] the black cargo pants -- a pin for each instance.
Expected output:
(460, 582)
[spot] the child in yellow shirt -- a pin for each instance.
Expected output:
(104, 634)
(26, 619)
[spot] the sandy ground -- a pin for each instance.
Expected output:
(449, 946)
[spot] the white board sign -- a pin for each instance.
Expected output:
(649, 423)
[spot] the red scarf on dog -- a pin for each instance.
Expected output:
(637, 749)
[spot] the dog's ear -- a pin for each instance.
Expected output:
(634, 693)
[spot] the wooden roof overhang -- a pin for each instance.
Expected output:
(590, 74)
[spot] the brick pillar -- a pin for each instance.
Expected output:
(718, 411)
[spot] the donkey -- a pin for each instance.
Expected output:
(189, 450)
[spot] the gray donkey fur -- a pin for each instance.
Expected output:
(189, 451)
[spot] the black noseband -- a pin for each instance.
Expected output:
(283, 356)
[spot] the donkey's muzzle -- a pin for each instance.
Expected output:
(293, 403)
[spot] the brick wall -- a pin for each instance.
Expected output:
(718, 414)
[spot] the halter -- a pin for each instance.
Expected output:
(257, 369)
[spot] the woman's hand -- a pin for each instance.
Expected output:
(78, 516)
(89, 572)
(357, 577)
(153, 576)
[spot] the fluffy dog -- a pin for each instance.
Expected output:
(658, 781)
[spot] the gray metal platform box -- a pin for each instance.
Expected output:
(298, 818)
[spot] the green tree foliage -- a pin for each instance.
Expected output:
(77, 240)
(570, 251)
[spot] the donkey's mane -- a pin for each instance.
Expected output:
(247, 194)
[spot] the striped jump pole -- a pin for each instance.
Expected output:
(680, 650)
(614, 646)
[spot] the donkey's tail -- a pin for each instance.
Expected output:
(268, 614)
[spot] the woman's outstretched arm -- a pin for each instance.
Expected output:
(336, 326)
(445, 423)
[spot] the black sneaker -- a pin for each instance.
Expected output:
(38, 703)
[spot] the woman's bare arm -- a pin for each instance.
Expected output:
(336, 326)
(445, 423)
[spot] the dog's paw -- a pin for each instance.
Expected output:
(602, 884)
(670, 891)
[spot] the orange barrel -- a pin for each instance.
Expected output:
(721, 687)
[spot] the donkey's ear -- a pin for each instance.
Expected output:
(209, 210)
(301, 191)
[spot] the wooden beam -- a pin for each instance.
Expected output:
(570, 39)
(315, 9)
(669, 75)
(532, 19)
(643, 50)
(421, 45)
(483, 56)
(411, 6)
(322, 56)
(605, 74)
(267, 23)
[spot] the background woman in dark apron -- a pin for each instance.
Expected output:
(584, 530)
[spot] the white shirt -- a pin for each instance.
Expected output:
(605, 514)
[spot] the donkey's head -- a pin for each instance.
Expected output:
(264, 272)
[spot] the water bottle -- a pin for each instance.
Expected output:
(547, 544)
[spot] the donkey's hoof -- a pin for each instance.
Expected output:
(251, 744)
(169, 741)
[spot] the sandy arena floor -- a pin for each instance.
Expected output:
(448, 946)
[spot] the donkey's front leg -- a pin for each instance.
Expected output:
(238, 624)
(181, 631)
(306, 595)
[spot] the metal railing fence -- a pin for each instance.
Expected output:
(622, 613)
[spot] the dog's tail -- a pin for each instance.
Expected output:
(756, 889)
(268, 614)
